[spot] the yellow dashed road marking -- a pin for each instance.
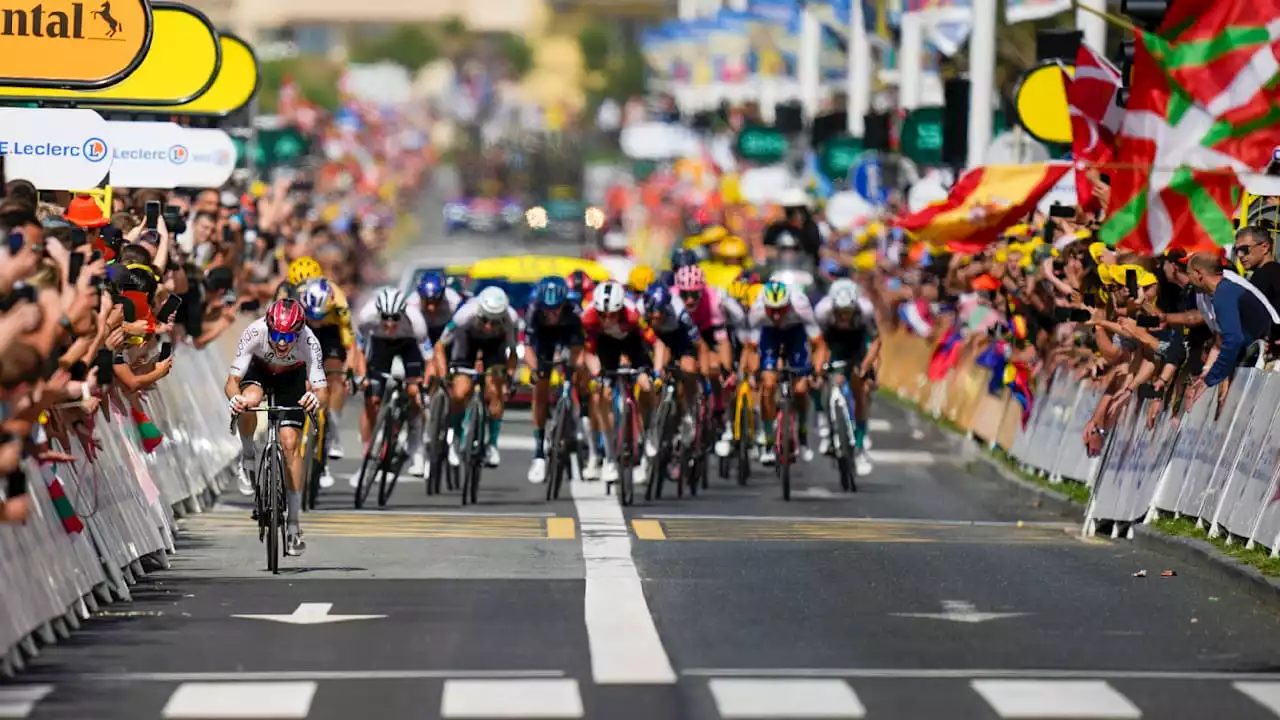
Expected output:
(561, 528)
(648, 529)
(403, 525)
(851, 530)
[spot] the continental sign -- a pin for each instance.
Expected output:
(234, 86)
(60, 43)
(180, 65)
(1040, 101)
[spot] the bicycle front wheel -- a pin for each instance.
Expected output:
(840, 446)
(274, 487)
(625, 454)
(373, 457)
(784, 451)
(474, 458)
(744, 429)
(558, 457)
(389, 468)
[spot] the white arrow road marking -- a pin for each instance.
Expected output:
(960, 611)
(310, 614)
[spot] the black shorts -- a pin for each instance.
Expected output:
(848, 345)
(466, 350)
(384, 351)
(330, 337)
(550, 340)
(611, 350)
(709, 337)
(279, 388)
(678, 344)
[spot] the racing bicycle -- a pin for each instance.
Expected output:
(664, 430)
(787, 438)
(475, 422)
(388, 444)
(268, 484)
(562, 431)
(744, 430)
(626, 428)
(839, 400)
(436, 430)
(315, 453)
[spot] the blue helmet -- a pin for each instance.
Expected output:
(551, 292)
(432, 286)
(657, 298)
(683, 257)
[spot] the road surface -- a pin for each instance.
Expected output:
(930, 593)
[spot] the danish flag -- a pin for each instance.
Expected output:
(1096, 116)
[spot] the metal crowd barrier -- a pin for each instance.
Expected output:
(127, 499)
(1215, 462)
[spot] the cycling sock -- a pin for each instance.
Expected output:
(247, 448)
(859, 433)
(539, 451)
(294, 500)
(495, 426)
(335, 418)
(769, 430)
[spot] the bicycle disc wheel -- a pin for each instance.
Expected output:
(745, 432)
(784, 452)
(625, 454)
(275, 523)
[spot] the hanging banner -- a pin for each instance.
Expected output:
(772, 42)
(206, 158)
(146, 154)
(234, 86)
(701, 67)
(730, 46)
(1016, 11)
(64, 43)
(179, 66)
(655, 45)
(55, 149)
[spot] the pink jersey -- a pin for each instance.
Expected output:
(707, 314)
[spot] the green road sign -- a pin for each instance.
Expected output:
(920, 138)
(838, 155)
(762, 145)
(275, 147)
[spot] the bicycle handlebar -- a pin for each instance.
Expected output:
(269, 410)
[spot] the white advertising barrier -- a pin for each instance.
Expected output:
(658, 141)
(55, 149)
(147, 154)
(210, 158)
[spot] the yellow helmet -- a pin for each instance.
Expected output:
(732, 248)
(641, 277)
(753, 293)
(303, 269)
(738, 290)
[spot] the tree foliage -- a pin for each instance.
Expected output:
(410, 46)
(517, 54)
(594, 41)
(316, 78)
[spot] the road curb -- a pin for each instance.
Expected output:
(1204, 554)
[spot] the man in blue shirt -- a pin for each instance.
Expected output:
(1239, 311)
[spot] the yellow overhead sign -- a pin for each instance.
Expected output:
(234, 86)
(1040, 102)
(180, 65)
(61, 43)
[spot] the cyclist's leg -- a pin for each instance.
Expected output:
(379, 362)
(798, 357)
(251, 391)
(495, 354)
(461, 354)
(335, 365)
(289, 388)
(540, 360)
(415, 368)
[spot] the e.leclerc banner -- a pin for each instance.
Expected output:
(166, 155)
(55, 149)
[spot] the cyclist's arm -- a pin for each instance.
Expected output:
(250, 342)
(367, 321)
(314, 359)
(417, 323)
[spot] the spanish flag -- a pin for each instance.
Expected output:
(982, 204)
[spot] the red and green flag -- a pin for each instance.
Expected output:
(1202, 111)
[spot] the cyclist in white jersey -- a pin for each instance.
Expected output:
(387, 327)
(483, 332)
(782, 327)
(277, 356)
(848, 322)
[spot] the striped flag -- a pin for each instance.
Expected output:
(1092, 93)
(982, 204)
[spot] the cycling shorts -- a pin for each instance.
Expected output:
(784, 346)
(284, 387)
(709, 337)
(550, 340)
(466, 350)
(383, 352)
(611, 350)
(679, 344)
(848, 345)
(330, 337)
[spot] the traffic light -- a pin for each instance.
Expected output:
(1146, 14)
(1058, 44)
(955, 122)
(1126, 69)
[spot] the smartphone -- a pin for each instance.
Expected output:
(173, 220)
(1148, 321)
(228, 235)
(16, 241)
(1080, 315)
(165, 351)
(75, 265)
(78, 237)
(1062, 314)
(152, 214)
(105, 363)
(169, 308)
(1062, 211)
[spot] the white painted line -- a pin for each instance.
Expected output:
(623, 640)
(867, 520)
(511, 699)
(1078, 699)
(967, 673)
(18, 702)
(773, 698)
(1266, 694)
(901, 457)
(240, 700)
(878, 425)
(303, 675)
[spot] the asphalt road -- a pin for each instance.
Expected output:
(930, 593)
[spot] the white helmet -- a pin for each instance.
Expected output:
(608, 297)
(493, 302)
(844, 294)
(390, 301)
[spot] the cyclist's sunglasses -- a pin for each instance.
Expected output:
(394, 317)
(691, 295)
(287, 338)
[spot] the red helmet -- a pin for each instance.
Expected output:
(284, 316)
(581, 283)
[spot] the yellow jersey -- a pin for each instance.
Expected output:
(339, 315)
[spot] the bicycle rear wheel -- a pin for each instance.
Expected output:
(437, 430)
(373, 458)
(474, 458)
(558, 457)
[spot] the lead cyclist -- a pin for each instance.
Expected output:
(848, 323)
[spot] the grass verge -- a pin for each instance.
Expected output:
(1258, 557)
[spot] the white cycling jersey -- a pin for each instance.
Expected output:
(444, 311)
(735, 317)
(412, 325)
(469, 320)
(825, 313)
(801, 313)
(255, 345)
